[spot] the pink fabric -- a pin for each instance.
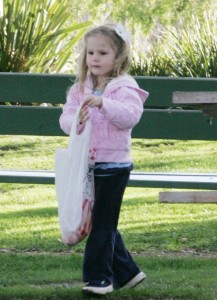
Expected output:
(112, 124)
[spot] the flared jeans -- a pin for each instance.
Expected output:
(106, 257)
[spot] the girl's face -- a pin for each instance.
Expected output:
(100, 56)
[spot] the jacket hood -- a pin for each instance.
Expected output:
(120, 82)
(129, 82)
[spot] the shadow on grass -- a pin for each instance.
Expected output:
(147, 224)
(30, 213)
(60, 277)
(177, 163)
(19, 146)
(144, 222)
(192, 237)
(155, 144)
(39, 228)
(58, 274)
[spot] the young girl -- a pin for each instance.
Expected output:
(113, 102)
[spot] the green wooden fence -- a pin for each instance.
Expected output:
(161, 118)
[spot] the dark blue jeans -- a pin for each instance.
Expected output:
(106, 257)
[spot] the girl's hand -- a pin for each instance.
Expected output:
(92, 101)
(84, 114)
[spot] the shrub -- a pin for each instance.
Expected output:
(34, 37)
(190, 50)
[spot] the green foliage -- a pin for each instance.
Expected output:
(34, 36)
(139, 14)
(149, 63)
(193, 48)
(190, 50)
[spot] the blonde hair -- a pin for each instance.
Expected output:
(119, 45)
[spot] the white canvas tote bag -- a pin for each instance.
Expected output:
(74, 185)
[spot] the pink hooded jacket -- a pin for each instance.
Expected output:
(113, 122)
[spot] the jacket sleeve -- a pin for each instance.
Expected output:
(126, 110)
(69, 109)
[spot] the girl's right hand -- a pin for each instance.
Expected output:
(84, 114)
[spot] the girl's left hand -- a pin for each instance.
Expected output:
(92, 101)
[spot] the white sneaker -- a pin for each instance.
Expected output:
(100, 289)
(135, 280)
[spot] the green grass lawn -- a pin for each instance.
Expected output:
(175, 244)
